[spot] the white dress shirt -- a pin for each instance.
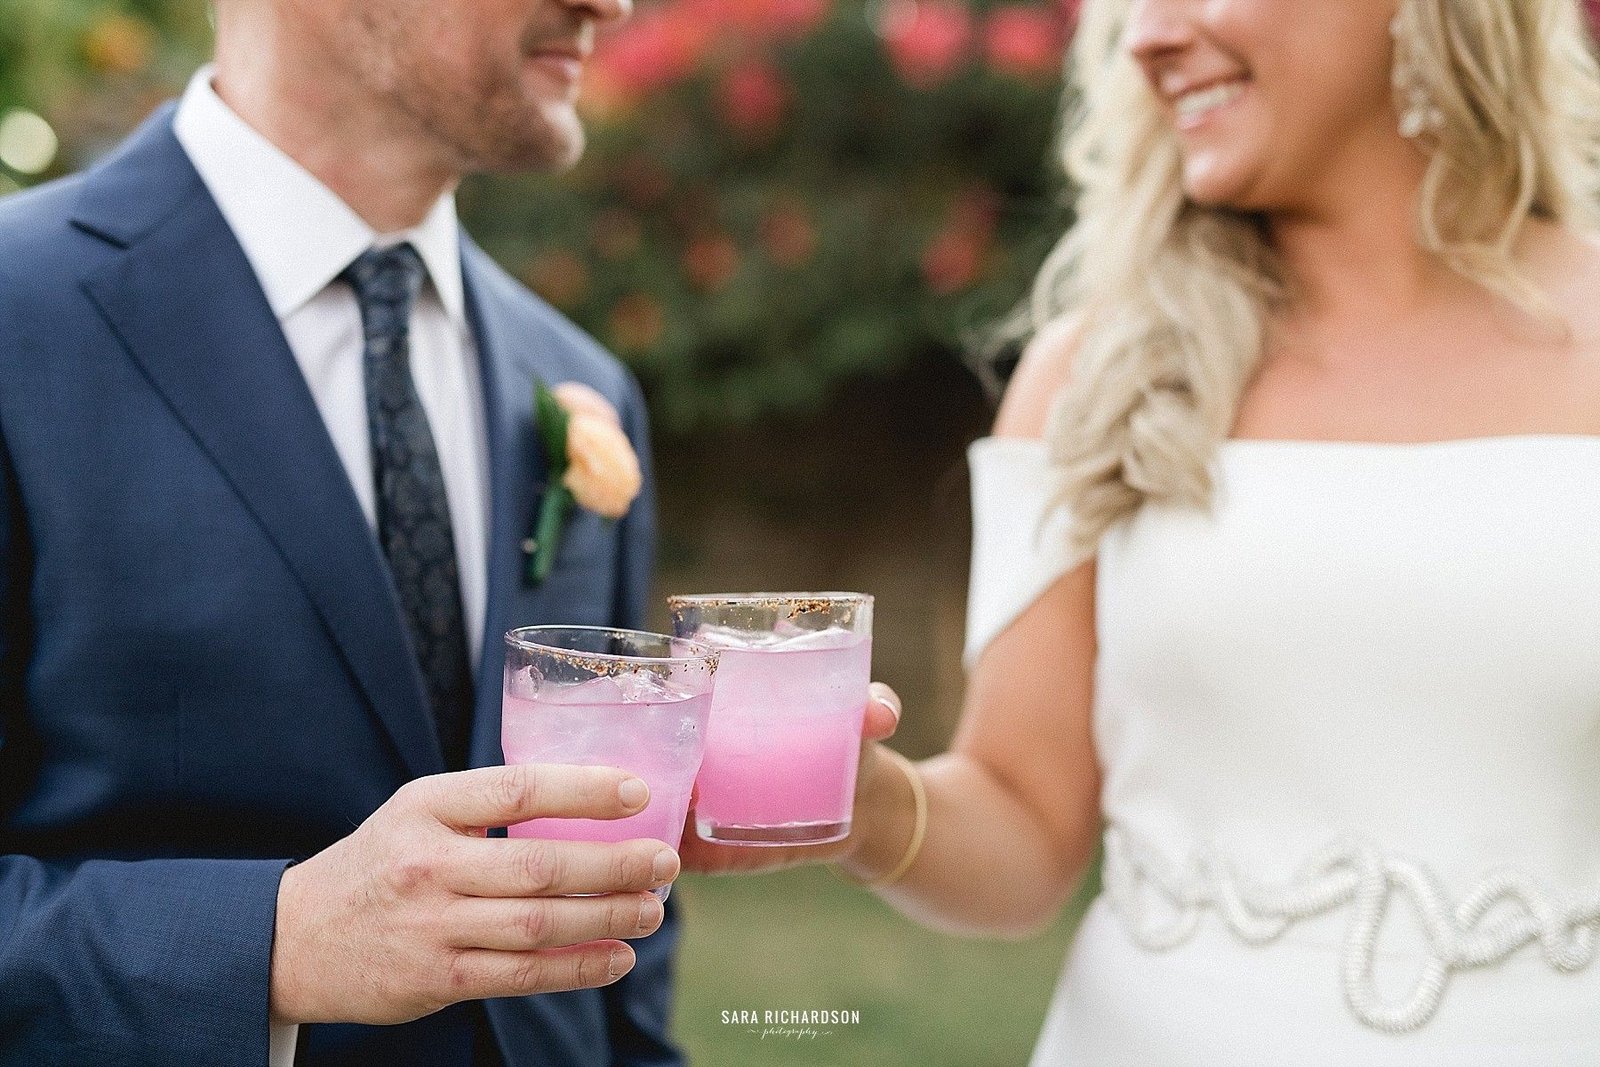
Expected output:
(298, 236)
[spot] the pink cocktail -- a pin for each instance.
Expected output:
(611, 698)
(785, 733)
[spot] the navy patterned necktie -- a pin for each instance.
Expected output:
(413, 512)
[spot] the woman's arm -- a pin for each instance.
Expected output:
(1014, 806)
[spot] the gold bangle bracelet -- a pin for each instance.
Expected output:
(919, 828)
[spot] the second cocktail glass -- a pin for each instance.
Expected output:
(785, 733)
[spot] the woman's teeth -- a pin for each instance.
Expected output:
(1191, 106)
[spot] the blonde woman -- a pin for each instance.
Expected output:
(1287, 567)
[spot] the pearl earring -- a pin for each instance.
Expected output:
(1420, 114)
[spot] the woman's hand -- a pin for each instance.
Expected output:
(882, 717)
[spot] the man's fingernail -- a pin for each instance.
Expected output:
(619, 962)
(887, 697)
(665, 866)
(634, 793)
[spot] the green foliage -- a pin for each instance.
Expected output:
(745, 269)
(94, 68)
(780, 196)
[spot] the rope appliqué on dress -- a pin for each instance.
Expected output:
(1354, 873)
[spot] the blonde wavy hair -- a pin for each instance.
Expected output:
(1169, 301)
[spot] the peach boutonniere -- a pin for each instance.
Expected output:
(590, 461)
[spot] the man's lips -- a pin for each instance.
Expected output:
(562, 56)
(564, 60)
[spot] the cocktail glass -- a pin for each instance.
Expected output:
(616, 698)
(785, 733)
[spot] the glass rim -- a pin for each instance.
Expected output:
(704, 654)
(735, 599)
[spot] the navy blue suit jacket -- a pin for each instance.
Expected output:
(204, 672)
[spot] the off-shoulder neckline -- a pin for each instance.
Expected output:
(1326, 443)
(1447, 442)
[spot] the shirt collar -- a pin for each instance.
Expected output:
(296, 232)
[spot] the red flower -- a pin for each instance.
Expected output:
(1024, 42)
(651, 51)
(753, 98)
(560, 277)
(953, 260)
(711, 262)
(957, 255)
(927, 39)
(637, 322)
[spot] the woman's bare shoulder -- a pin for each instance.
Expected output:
(1044, 371)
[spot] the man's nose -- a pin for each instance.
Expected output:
(604, 11)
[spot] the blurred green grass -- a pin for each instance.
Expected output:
(805, 940)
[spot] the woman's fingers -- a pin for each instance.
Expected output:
(883, 713)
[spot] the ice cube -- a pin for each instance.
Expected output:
(524, 684)
(798, 640)
(733, 637)
(647, 687)
(594, 691)
(688, 730)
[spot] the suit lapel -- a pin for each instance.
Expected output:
(517, 472)
(187, 306)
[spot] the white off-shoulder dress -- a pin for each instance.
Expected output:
(1349, 728)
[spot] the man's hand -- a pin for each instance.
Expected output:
(417, 909)
(880, 722)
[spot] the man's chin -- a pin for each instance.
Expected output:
(551, 144)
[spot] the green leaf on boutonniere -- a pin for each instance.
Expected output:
(552, 421)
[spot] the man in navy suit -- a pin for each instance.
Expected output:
(268, 469)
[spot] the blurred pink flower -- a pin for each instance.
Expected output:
(953, 260)
(711, 261)
(958, 254)
(651, 51)
(927, 39)
(1025, 42)
(559, 276)
(637, 322)
(753, 98)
